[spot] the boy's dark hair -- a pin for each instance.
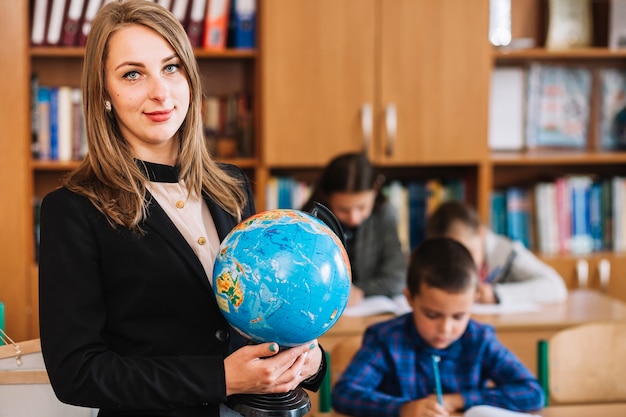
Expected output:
(346, 173)
(441, 263)
(447, 214)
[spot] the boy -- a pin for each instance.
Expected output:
(509, 273)
(394, 372)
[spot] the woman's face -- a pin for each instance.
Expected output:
(352, 209)
(148, 90)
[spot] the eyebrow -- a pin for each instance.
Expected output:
(139, 64)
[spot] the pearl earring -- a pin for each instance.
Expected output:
(107, 105)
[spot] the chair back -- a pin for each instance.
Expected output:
(584, 364)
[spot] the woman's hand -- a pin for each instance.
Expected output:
(262, 368)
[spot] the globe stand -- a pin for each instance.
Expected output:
(294, 403)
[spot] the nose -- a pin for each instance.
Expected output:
(158, 88)
(353, 218)
(446, 326)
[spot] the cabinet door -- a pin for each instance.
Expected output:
(434, 67)
(609, 274)
(317, 69)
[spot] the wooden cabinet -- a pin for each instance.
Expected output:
(406, 80)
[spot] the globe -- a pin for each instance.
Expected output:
(282, 276)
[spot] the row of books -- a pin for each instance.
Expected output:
(210, 24)
(228, 124)
(549, 106)
(413, 201)
(58, 124)
(576, 214)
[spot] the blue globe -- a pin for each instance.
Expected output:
(282, 276)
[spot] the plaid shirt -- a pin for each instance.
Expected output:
(394, 366)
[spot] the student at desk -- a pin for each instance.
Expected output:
(509, 273)
(350, 187)
(435, 360)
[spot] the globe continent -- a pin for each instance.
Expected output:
(282, 276)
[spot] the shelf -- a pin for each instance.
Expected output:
(547, 54)
(557, 157)
(78, 52)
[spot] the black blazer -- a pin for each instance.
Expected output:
(129, 323)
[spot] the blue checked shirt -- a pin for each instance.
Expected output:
(394, 366)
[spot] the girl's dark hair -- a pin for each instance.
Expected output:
(441, 263)
(346, 173)
(447, 214)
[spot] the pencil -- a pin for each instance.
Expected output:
(436, 360)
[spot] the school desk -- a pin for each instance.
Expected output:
(583, 410)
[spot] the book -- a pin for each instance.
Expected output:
(397, 196)
(54, 123)
(517, 223)
(34, 115)
(216, 25)
(55, 22)
(612, 101)
(64, 123)
(507, 99)
(179, 10)
(91, 8)
(195, 22)
(595, 216)
(581, 241)
(39, 22)
(546, 218)
(242, 24)
(43, 122)
(569, 24)
(379, 304)
(617, 24)
(498, 212)
(417, 197)
(564, 213)
(71, 23)
(558, 106)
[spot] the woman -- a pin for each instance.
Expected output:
(350, 187)
(129, 322)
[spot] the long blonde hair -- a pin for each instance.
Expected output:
(109, 175)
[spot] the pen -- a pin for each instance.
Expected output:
(500, 272)
(436, 360)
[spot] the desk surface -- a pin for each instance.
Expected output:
(581, 306)
(583, 410)
(586, 410)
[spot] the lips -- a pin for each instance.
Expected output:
(159, 116)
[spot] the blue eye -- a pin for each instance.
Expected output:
(172, 67)
(131, 75)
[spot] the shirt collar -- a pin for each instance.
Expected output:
(159, 172)
(421, 347)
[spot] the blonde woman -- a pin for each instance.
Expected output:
(129, 322)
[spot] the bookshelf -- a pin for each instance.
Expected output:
(316, 65)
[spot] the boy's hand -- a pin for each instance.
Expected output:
(485, 294)
(425, 407)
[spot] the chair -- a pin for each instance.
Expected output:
(584, 364)
(338, 359)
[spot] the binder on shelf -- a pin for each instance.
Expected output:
(558, 106)
(91, 8)
(506, 109)
(242, 25)
(179, 10)
(39, 23)
(195, 22)
(55, 22)
(617, 24)
(43, 122)
(216, 25)
(71, 22)
(64, 123)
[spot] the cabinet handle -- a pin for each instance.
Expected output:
(604, 272)
(367, 122)
(391, 122)
(582, 273)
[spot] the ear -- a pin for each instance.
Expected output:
(407, 295)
